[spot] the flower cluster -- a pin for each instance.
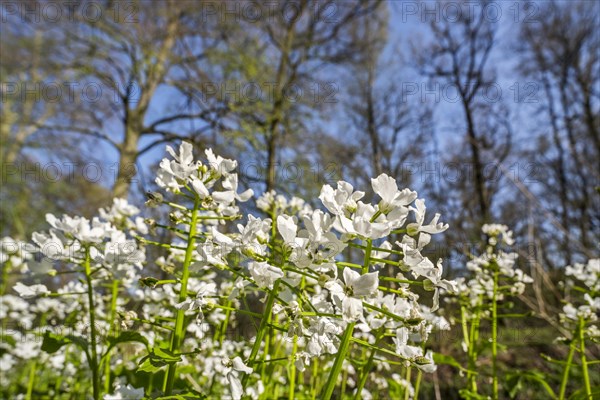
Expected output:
(242, 306)
(14, 255)
(494, 277)
(200, 179)
(109, 247)
(103, 250)
(585, 279)
(293, 258)
(479, 290)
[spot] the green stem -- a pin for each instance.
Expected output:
(261, 329)
(410, 282)
(113, 316)
(473, 340)
(360, 246)
(315, 379)
(584, 366)
(418, 384)
(5, 268)
(406, 391)
(31, 380)
(177, 337)
(466, 338)
(223, 328)
(292, 379)
(344, 381)
(495, 338)
(565, 377)
(367, 368)
(92, 315)
(367, 260)
(345, 341)
(339, 360)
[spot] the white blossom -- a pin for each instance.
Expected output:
(348, 294)
(264, 274)
(28, 292)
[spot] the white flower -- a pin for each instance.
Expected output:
(426, 363)
(323, 337)
(238, 365)
(125, 393)
(199, 187)
(173, 173)
(264, 274)
(496, 230)
(232, 369)
(432, 228)
(80, 228)
(361, 223)
(587, 273)
(185, 156)
(347, 295)
(403, 349)
(254, 234)
(433, 273)
(203, 297)
(28, 292)
(341, 200)
(391, 198)
(119, 208)
(7, 362)
(317, 224)
(219, 165)
(16, 252)
(27, 349)
(287, 228)
(231, 183)
(301, 360)
(209, 254)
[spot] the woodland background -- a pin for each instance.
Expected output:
(491, 110)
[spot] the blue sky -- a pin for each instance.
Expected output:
(408, 24)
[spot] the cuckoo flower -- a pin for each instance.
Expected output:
(341, 201)
(391, 198)
(347, 295)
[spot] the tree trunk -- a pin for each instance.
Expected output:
(127, 159)
(278, 109)
(372, 128)
(477, 166)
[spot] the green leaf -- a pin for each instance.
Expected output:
(166, 355)
(515, 382)
(124, 337)
(446, 360)
(147, 364)
(468, 395)
(157, 359)
(53, 342)
(580, 394)
(8, 339)
(183, 396)
(148, 282)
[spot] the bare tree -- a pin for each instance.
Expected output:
(136, 62)
(458, 57)
(276, 63)
(561, 51)
(386, 125)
